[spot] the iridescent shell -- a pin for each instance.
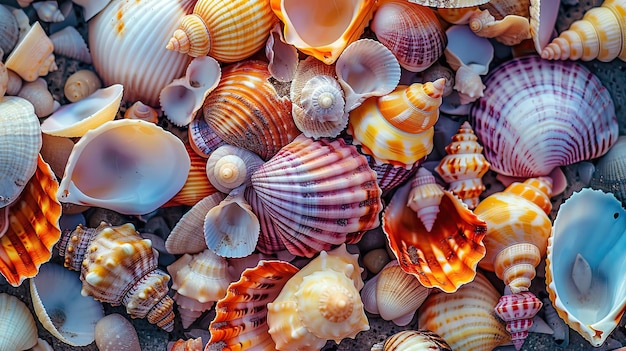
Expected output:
(229, 166)
(68, 42)
(413, 340)
(18, 330)
(32, 57)
(518, 310)
(536, 115)
(202, 138)
(115, 333)
(261, 122)
(314, 194)
(117, 266)
(584, 273)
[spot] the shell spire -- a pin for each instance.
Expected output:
(518, 310)
(425, 197)
(191, 37)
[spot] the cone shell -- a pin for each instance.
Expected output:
(584, 276)
(536, 115)
(32, 57)
(412, 32)
(21, 142)
(18, 330)
(240, 321)
(342, 23)
(465, 319)
(68, 42)
(408, 340)
(315, 193)
(32, 227)
(444, 257)
(245, 110)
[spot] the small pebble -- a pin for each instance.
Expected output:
(372, 239)
(375, 260)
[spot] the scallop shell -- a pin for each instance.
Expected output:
(609, 174)
(68, 42)
(343, 24)
(536, 115)
(314, 194)
(408, 340)
(197, 186)
(119, 166)
(412, 32)
(584, 276)
(9, 30)
(115, 333)
(17, 325)
(81, 84)
(229, 166)
(261, 119)
(240, 321)
(228, 31)
(32, 57)
(449, 3)
(21, 140)
(60, 307)
(117, 39)
(38, 94)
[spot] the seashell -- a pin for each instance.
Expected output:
(119, 166)
(518, 227)
(412, 32)
(390, 177)
(314, 194)
(510, 30)
(543, 17)
(343, 24)
(32, 57)
(229, 166)
(209, 30)
(518, 310)
(4, 79)
(319, 302)
(465, 319)
(366, 68)
(91, 7)
(197, 186)
(464, 166)
(32, 227)
(436, 71)
(408, 340)
(21, 140)
(68, 42)
(37, 93)
(23, 22)
(48, 11)
(81, 84)
(609, 171)
(139, 110)
(117, 41)
(282, 57)
(240, 321)
(398, 128)
(501, 8)
(458, 53)
(115, 333)
(444, 257)
(598, 35)
(118, 267)
(541, 125)
(231, 229)
(60, 307)
(199, 281)
(583, 277)
(425, 197)
(458, 15)
(14, 84)
(449, 3)
(468, 85)
(202, 138)
(183, 97)
(19, 331)
(261, 122)
(187, 235)
(187, 345)
(9, 29)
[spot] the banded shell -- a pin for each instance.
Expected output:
(584, 272)
(68, 42)
(32, 57)
(536, 115)
(197, 186)
(81, 84)
(18, 330)
(610, 171)
(115, 333)
(408, 340)
(518, 310)
(315, 194)
(202, 138)
(412, 32)
(425, 197)
(261, 119)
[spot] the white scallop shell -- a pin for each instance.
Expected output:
(18, 330)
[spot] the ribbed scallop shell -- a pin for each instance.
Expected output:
(415, 340)
(465, 319)
(245, 110)
(610, 171)
(20, 137)
(412, 32)
(449, 3)
(240, 322)
(32, 227)
(118, 40)
(536, 115)
(584, 273)
(18, 330)
(315, 193)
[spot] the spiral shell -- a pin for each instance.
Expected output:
(81, 84)
(48, 11)
(425, 197)
(409, 340)
(139, 110)
(229, 167)
(510, 30)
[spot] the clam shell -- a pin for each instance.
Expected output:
(9, 30)
(21, 140)
(610, 171)
(81, 84)
(17, 325)
(68, 42)
(32, 57)
(543, 114)
(398, 294)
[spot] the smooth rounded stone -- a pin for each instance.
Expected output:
(71, 221)
(375, 260)
(158, 226)
(372, 239)
(116, 333)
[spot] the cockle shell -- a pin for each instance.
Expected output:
(464, 166)
(115, 333)
(81, 84)
(197, 186)
(68, 42)
(343, 23)
(413, 340)
(183, 97)
(444, 257)
(228, 31)
(38, 94)
(465, 319)
(119, 166)
(139, 110)
(536, 115)
(598, 35)
(261, 122)
(20, 138)
(18, 330)
(117, 40)
(117, 266)
(610, 171)
(412, 32)
(60, 307)
(32, 57)
(518, 310)
(318, 303)
(229, 166)
(584, 273)
(313, 195)
(240, 321)
(9, 30)
(518, 227)
(449, 3)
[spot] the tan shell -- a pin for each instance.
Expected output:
(32, 57)
(38, 94)
(81, 84)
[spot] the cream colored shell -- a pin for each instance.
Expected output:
(18, 330)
